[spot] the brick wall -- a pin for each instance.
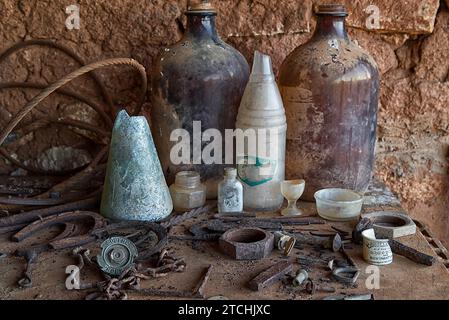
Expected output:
(410, 42)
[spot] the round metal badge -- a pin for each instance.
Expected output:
(117, 255)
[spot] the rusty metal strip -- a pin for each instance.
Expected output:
(30, 216)
(271, 275)
(436, 245)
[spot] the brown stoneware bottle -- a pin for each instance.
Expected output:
(200, 78)
(330, 89)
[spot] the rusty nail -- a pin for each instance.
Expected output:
(312, 288)
(368, 296)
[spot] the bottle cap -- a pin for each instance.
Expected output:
(200, 7)
(230, 172)
(262, 67)
(337, 10)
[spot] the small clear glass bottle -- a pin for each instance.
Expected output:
(230, 193)
(187, 192)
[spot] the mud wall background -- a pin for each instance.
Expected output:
(408, 39)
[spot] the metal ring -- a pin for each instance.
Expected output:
(337, 273)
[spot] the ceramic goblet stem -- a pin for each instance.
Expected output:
(292, 191)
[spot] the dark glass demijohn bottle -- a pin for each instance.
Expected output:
(330, 89)
(200, 78)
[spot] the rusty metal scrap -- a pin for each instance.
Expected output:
(165, 264)
(247, 243)
(201, 230)
(70, 236)
(218, 225)
(342, 232)
(82, 180)
(307, 261)
(51, 201)
(31, 258)
(10, 229)
(177, 219)
(202, 237)
(26, 185)
(361, 226)
(348, 257)
(301, 221)
(410, 253)
(64, 242)
(212, 229)
(238, 215)
(273, 274)
(116, 287)
(333, 242)
(33, 215)
(83, 257)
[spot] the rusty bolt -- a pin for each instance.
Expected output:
(284, 242)
(247, 243)
(301, 276)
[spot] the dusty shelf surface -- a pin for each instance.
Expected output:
(403, 279)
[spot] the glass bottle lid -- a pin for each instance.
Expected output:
(337, 10)
(200, 7)
(230, 172)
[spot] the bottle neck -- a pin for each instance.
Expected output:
(201, 26)
(188, 179)
(330, 26)
(230, 173)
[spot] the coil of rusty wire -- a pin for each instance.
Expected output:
(60, 196)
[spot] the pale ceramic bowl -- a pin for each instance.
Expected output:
(338, 204)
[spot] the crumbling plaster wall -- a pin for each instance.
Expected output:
(410, 44)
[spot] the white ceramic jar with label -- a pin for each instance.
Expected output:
(376, 251)
(230, 193)
(261, 164)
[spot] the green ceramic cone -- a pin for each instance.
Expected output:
(135, 187)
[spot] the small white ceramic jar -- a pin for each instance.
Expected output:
(376, 251)
(230, 193)
(187, 192)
